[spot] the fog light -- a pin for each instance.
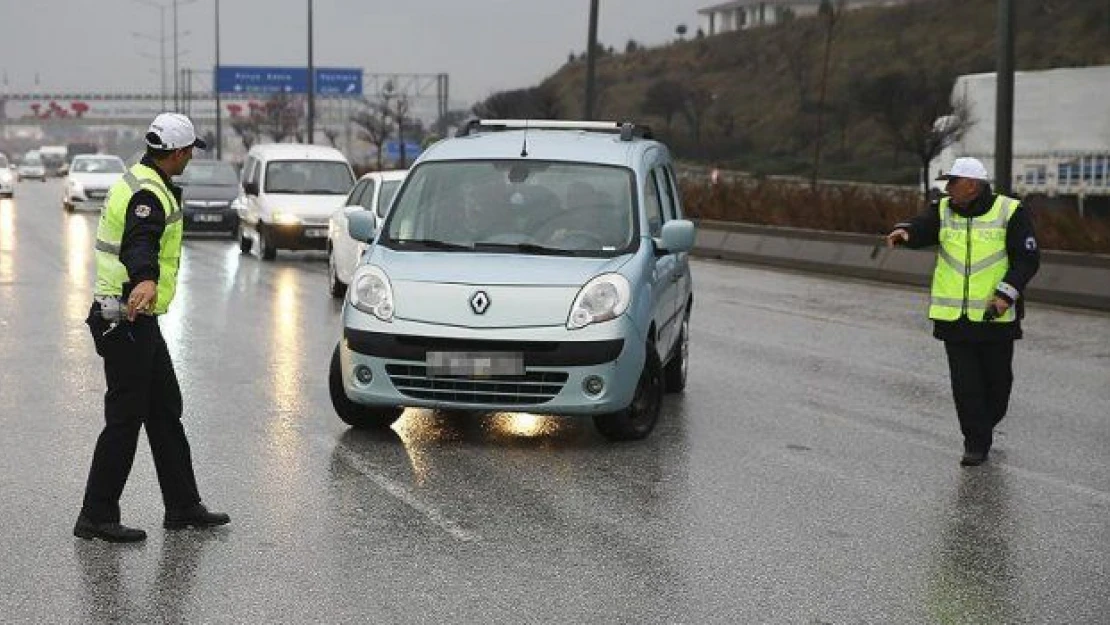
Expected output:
(363, 374)
(593, 385)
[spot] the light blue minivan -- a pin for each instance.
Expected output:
(524, 266)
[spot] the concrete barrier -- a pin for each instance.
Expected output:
(1064, 278)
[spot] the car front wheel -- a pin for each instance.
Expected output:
(267, 248)
(245, 242)
(353, 414)
(335, 286)
(638, 419)
(674, 374)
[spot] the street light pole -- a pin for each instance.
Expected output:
(216, 88)
(591, 45)
(1004, 99)
(311, 81)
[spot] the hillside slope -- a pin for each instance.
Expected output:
(755, 96)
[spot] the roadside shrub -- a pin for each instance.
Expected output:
(866, 209)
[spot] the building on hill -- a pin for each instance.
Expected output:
(745, 14)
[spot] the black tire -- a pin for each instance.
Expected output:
(674, 374)
(336, 288)
(266, 245)
(245, 242)
(356, 415)
(638, 419)
(67, 207)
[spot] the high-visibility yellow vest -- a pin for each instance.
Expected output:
(971, 262)
(110, 272)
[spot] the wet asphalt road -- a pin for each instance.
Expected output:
(808, 475)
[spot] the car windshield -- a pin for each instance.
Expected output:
(515, 206)
(211, 173)
(32, 160)
(385, 196)
(309, 177)
(97, 166)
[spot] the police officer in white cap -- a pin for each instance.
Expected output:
(987, 253)
(138, 249)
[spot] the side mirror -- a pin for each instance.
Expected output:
(250, 188)
(361, 223)
(678, 236)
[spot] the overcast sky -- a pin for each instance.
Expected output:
(485, 45)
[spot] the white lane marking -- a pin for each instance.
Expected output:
(403, 494)
(904, 437)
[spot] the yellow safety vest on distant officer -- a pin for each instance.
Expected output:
(110, 272)
(972, 261)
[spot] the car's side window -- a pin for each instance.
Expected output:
(355, 197)
(366, 200)
(653, 207)
(666, 194)
(252, 173)
(673, 192)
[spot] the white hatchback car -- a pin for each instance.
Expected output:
(90, 176)
(524, 266)
(373, 192)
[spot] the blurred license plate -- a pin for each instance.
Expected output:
(475, 364)
(316, 233)
(203, 217)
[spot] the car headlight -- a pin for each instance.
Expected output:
(371, 292)
(286, 219)
(76, 187)
(603, 298)
(5, 176)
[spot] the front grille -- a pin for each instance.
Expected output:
(96, 194)
(536, 353)
(534, 387)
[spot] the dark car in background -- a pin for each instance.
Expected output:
(209, 186)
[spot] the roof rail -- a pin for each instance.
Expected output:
(626, 130)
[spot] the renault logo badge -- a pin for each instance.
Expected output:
(479, 302)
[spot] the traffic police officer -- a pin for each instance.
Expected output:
(987, 255)
(138, 249)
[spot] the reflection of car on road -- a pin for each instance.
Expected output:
(289, 191)
(89, 178)
(7, 178)
(539, 269)
(30, 166)
(372, 193)
(208, 188)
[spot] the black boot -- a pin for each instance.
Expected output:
(111, 532)
(194, 516)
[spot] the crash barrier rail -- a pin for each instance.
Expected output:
(1064, 278)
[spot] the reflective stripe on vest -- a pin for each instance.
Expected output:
(971, 262)
(110, 272)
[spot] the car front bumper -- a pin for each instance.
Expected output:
(557, 364)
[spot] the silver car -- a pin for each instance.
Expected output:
(536, 267)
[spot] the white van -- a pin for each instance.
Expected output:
(289, 192)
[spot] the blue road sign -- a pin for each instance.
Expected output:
(251, 80)
(341, 81)
(392, 150)
(261, 80)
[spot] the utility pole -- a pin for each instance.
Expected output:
(311, 81)
(161, 39)
(216, 88)
(1004, 107)
(176, 80)
(591, 60)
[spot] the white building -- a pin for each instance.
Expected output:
(745, 14)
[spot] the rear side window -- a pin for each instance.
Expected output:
(366, 200)
(653, 206)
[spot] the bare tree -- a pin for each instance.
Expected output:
(830, 15)
(914, 109)
(372, 126)
(331, 133)
(698, 102)
(281, 117)
(665, 98)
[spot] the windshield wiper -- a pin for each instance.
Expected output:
(432, 243)
(528, 248)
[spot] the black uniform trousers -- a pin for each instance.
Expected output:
(982, 376)
(142, 390)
